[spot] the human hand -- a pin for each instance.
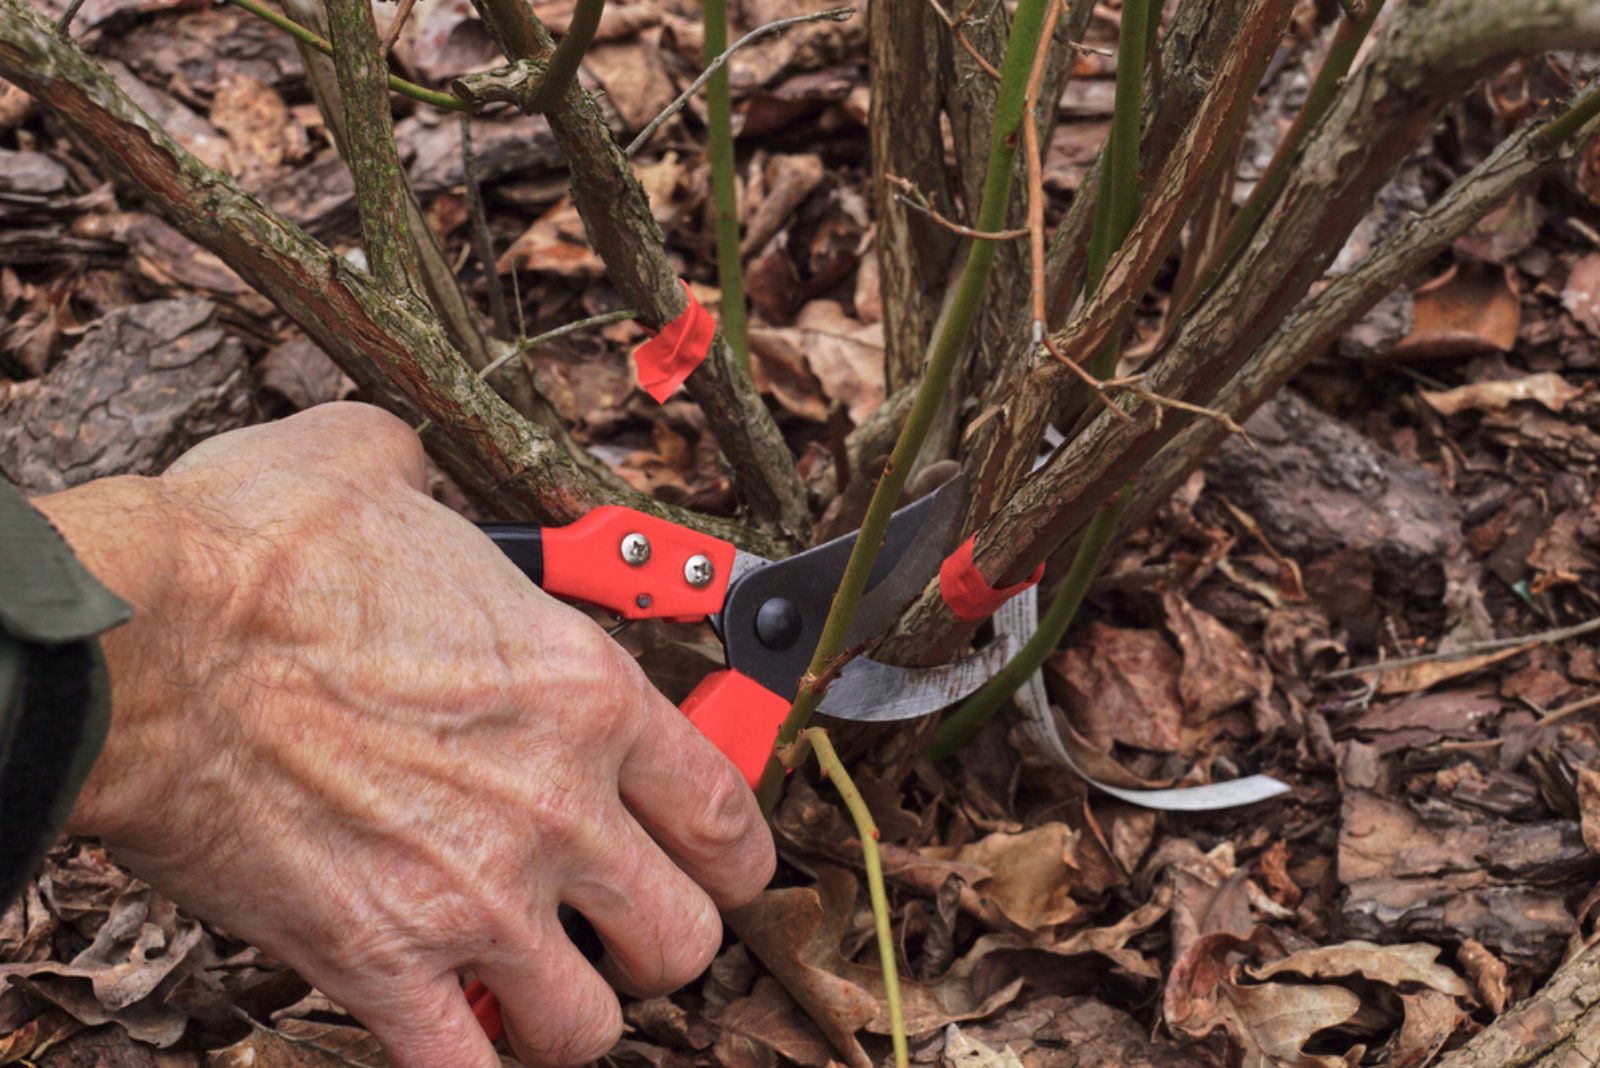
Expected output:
(346, 728)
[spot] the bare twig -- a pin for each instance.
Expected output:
(955, 25)
(568, 56)
(724, 187)
(834, 14)
(64, 23)
(912, 197)
(317, 41)
(392, 34)
(482, 239)
(1471, 649)
(1035, 168)
(525, 345)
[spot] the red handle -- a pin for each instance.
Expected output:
(637, 565)
(741, 717)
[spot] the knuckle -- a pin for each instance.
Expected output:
(726, 824)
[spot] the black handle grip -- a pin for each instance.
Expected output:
(522, 543)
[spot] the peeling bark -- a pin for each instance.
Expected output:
(393, 347)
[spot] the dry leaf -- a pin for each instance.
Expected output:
(1430, 1019)
(1219, 670)
(1121, 685)
(316, 1046)
(1463, 312)
(1031, 875)
(555, 243)
(257, 124)
(963, 1051)
(1546, 388)
(1582, 293)
(1414, 964)
(1268, 1023)
(1489, 974)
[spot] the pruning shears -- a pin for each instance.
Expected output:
(768, 615)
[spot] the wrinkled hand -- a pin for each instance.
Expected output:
(347, 729)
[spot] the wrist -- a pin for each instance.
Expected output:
(131, 538)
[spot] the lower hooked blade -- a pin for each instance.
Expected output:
(867, 691)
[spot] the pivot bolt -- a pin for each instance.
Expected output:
(698, 572)
(635, 549)
(778, 623)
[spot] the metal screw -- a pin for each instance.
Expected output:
(643, 600)
(698, 572)
(635, 549)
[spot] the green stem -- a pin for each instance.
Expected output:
(724, 191)
(834, 769)
(1341, 53)
(1116, 210)
(320, 43)
(569, 54)
(961, 724)
(948, 342)
(1118, 205)
(1558, 130)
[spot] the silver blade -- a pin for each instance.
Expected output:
(881, 605)
(871, 692)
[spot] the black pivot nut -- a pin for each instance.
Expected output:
(778, 623)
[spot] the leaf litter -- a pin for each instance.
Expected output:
(1431, 485)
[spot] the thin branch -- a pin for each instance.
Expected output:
(724, 187)
(1471, 649)
(833, 14)
(568, 55)
(317, 41)
(482, 239)
(834, 770)
(396, 350)
(946, 348)
(913, 198)
(1120, 191)
(526, 345)
(373, 158)
(392, 34)
(1035, 169)
(961, 38)
(623, 229)
(65, 22)
(1349, 35)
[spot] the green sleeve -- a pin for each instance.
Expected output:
(55, 693)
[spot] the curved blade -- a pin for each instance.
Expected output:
(807, 581)
(869, 692)
(882, 604)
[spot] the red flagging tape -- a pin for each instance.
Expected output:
(671, 356)
(965, 590)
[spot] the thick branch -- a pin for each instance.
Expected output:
(617, 217)
(1002, 447)
(1427, 57)
(374, 161)
(379, 341)
(1322, 319)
